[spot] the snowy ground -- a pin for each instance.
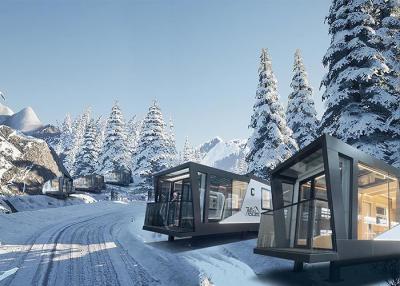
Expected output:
(103, 244)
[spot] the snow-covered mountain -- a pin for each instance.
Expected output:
(5, 113)
(25, 120)
(25, 162)
(226, 155)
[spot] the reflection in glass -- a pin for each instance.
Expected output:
(219, 198)
(320, 187)
(287, 190)
(322, 232)
(377, 202)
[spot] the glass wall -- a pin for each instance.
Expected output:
(345, 178)
(238, 193)
(219, 198)
(266, 199)
(377, 202)
(202, 179)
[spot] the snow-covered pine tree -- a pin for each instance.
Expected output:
(301, 116)
(271, 141)
(114, 154)
(86, 159)
(65, 141)
(152, 151)
(357, 98)
(188, 154)
(133, 132)
(100, 125)
(170, 132)
(388, 36)
(78, 130)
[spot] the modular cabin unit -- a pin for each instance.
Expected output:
(121, 177)
(90, 183)
(60, 187)
(194, 200)
(332, 203)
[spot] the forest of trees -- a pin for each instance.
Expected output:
(362, 90)
(361, 96)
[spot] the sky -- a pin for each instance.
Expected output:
(198, 59)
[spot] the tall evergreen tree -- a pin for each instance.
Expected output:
(100, 136)
(133, 132)
(271, 141)
(65, 141)
(188, 154)
(170, 132)
(388, 36)
(78, 130)
(86, 159)
(357, 97)
(114, 154)
(301, 116)
(152, 151)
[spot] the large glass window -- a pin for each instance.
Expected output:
(238, 193)
(377, 202)
(266, 201)
(202, 189)
(287, 190)
(219, 198)
(345, 173)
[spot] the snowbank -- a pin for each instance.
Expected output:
(30, 203)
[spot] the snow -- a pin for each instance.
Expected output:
(25, 120)
(5, 110)
(29, 203)
(104, 244)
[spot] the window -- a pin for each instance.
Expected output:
(202, 189)
(287, 190)
(377, 202)
(219, 198)
(345, 173)
(266, 201)
(238, 192)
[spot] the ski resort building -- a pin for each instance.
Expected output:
(90, 183)
(332, 203)
(60, 187)
(194, 200)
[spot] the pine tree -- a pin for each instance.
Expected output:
(357, 97)
(271, 141)
(133, 132)
(152, 152)
(388, 36)
(114, 155)
(86, 159)
(100, 136)
(65, 141)
(170, 132)
(301, 116)
(78, 130)
(188, 154)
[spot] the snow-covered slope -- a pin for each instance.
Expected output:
(226, 155)
(25, 162)
(25, 120)
(5, 113)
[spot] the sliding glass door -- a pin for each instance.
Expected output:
(313, 227)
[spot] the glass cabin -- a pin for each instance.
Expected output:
(332, 202)
(193, 199)
(90, 183)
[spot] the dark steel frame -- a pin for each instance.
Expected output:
(206, 227)
(346, 246)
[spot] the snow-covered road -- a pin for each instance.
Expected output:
(79, 245)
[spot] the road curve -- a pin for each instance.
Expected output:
(83, 250)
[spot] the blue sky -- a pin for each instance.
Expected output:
(199, 59)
